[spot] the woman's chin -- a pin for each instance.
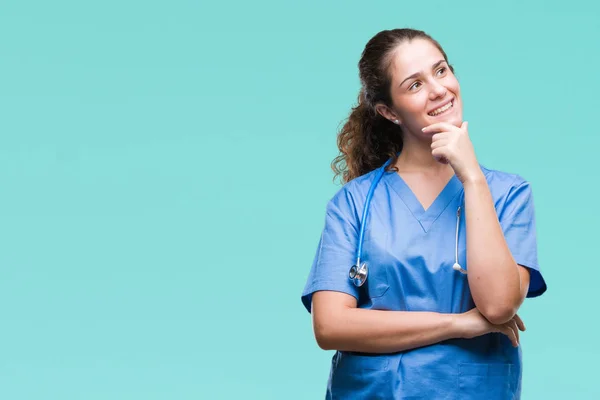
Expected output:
(454, 119)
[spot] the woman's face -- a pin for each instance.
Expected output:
(423, 89)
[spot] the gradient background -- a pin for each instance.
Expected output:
(164, 171)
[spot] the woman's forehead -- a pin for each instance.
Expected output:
(414, 56)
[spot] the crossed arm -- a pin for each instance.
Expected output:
(498, 286)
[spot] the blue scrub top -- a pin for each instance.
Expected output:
(410, 252)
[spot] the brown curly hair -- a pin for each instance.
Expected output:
(367, 139)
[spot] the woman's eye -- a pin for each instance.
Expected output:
(413, 86)
(442, 70)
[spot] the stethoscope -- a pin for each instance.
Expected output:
(359, 271)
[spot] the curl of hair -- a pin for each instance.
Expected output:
(365, 142)
(367, 139)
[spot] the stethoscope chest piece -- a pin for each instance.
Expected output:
(358, 274)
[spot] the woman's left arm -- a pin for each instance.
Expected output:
(498, 284)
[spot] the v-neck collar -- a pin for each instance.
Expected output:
(426, 218)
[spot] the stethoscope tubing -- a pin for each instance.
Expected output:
(363, 221)
(358, 272)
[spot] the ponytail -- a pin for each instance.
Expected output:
(366, 141)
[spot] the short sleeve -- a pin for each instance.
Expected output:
(336, 251)
(517, 219)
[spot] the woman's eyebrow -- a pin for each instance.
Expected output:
(434, 66)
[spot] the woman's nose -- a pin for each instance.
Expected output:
(437, 90)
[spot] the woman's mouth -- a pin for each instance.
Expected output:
(441, 110)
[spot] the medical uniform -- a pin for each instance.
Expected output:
(410, 252)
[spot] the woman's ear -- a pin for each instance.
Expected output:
(386, 113)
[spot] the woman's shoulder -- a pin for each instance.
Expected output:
(352, 194)
(502, 182)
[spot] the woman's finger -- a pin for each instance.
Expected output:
(510, 332)
(519, 322)
(440, 126)
(440, 155)
(439, 136)
(439, 143)
(515, 328)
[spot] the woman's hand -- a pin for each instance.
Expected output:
(452, 145)
(472, 324)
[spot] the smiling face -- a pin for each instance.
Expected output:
(423, 88)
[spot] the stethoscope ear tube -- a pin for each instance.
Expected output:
(456, 265)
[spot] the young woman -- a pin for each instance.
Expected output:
(450, 246)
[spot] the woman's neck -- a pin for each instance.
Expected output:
(416, 157)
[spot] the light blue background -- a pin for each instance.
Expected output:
(164, 170)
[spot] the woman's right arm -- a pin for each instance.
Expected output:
(339, 325)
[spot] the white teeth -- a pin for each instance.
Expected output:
(442, 109)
